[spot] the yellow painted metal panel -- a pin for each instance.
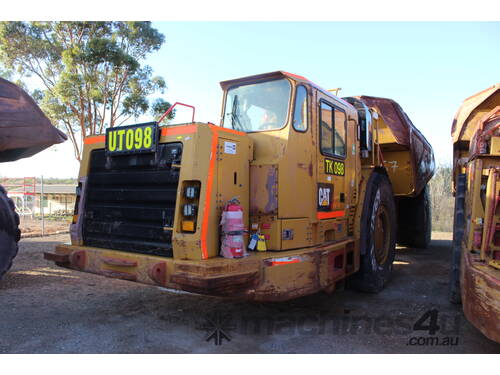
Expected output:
(296, 233)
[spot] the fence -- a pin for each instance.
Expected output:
(42, 208)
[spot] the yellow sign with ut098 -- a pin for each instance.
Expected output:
(138, 138)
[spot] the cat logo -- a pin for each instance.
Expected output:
(324, 197)
(325, 193)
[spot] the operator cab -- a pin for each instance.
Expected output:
(303, 170)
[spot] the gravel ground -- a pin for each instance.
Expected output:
(33, 227)
(46, 309)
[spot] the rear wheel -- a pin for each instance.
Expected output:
(415, 220)
(458, 235)
(9, 232)
(378, 235)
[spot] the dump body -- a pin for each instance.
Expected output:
(24, 129)
(476, 150)
(407, 155)
(287, 149)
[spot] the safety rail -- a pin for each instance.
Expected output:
(171, 109)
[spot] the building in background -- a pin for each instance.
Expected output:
(58, 200)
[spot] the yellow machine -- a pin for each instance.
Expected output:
(475, 277)
(320, 178)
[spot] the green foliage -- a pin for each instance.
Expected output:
(442, 200)
(160, 106)
(57, 181)
(91, 72)
(5, 74)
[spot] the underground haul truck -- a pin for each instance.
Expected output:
(475, 277)
(329, 184)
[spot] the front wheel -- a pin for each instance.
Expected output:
(9, 232)
(378, 235)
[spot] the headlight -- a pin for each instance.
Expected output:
(191, 192)
(189, 209)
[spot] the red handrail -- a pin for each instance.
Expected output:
(172, 107)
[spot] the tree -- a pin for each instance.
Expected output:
(5, 74)
(442, 201)
(90, 73)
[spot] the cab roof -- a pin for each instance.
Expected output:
(262, 77)
(277, 75)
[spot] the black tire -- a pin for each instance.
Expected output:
(458, 235)
(415, 220)
(379, 211)
(9, 232)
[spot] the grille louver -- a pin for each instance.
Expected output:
(130, 200)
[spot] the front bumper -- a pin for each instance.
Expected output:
(260, 276)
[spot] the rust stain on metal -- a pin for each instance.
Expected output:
(78, 259)
(158, 273)
(118, 262)
(272, 190)
(180, 243)
(314, 274)
(307, 167)
(220, 285)
(119, 275)
(58, 258)
(263, 189)
(480, 296)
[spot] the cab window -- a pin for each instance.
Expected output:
(332, 130)
(300, 111)
(258, 106)
(339, 148)
(326, 128)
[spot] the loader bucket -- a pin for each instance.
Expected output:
(24, 129)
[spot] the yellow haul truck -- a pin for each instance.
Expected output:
(319, 177)
(475, 276)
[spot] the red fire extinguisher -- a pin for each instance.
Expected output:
(232, 229)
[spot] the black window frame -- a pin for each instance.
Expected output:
(334, 107)
(295, 107)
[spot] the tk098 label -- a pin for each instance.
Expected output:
(334, 167)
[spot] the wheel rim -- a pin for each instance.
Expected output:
(381, 235)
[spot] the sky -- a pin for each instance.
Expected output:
(428, 68)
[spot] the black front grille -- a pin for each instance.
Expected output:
(130, 200)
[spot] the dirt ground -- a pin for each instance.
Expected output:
(33, 227)
(45, 309)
